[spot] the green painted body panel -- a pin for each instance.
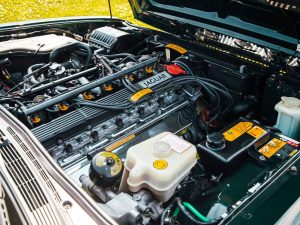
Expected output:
(268, 207)
(264, 206)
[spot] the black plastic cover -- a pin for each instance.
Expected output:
(111, 38)
(240, 136)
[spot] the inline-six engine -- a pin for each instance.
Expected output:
(141, 123)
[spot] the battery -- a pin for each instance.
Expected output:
(223, 151)
(276, 150)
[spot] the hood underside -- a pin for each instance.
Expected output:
(275, 23)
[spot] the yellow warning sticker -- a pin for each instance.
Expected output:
(256, 132)
(271, 147)
(236, 131)
(177, 48)
(140, 94)
(119, 143)
(160, 164)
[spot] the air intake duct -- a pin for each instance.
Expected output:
(112, 39)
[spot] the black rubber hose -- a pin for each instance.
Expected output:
(127, 86)
(34, 67)
(58, 51)
(127, 83)
(40, 68)
(20, 104)
(10, 100)
(14, 88)
(211, 93)
(213, 89)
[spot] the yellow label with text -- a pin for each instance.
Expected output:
(236, 131)
(177, 48)
(256, 132)
(271, 147)
(119, 143)
(160, 164)
(140, 94)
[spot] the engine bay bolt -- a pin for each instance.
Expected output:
(247, 215)
(95, 135)
(119, 122)
(52, 152)
(294, 170)
(110, 161)
(141, 111)
(59, 141)
(79, 139)
(104, 126)
(67, 205)
(137, 197)
(68, 148)
(161, 100)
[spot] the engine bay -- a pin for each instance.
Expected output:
(155, 129)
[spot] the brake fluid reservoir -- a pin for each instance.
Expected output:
(158, 164)
(288, 120)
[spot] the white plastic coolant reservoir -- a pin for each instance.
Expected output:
(158, 164)
(288, 120)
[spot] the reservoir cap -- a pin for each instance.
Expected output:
(106, 168)
(291, 102)
(215, 141)
(161, 149)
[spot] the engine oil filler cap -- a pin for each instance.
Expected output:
(174, 69)
(161, 149)
(106, 168)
